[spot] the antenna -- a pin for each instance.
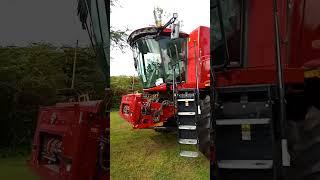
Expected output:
(74, 65)
(157, 12)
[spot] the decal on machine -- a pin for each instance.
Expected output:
(245, 132)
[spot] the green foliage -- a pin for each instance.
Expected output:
(122, 85)
(30, 77)
(118, 37)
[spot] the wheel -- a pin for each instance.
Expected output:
(304, 149)
(203, 126)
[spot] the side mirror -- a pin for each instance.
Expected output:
(175, 26)
(135, 63)
(175, 15)
(175, 30)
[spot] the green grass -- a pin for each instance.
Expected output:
(146, 154)
(15, 168)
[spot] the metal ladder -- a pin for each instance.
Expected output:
(188, 111)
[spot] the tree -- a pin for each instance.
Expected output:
(122, 85)
(30, 77)
(118, 37)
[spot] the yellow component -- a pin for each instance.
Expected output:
(159, 124)
(245, 127)
(246, 132)
(312, 73)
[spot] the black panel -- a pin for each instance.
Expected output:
(243, 110)
(238, 174)
(187, 134)
(230, 146)
(187, 120)
(190, 108)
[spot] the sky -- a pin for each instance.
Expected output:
(54, 21)
(135, 14)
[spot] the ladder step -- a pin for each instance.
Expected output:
(245, 164)
(188, 141)
(186, 95)
(242, 121)
(188, 127)
(185, 100)
(192, 154)
(186, 113)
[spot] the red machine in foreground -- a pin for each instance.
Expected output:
(71, 141)
(68, 139)
(175, 73)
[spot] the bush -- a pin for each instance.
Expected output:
(122, 85)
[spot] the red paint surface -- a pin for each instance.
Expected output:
(199, 55)
(80, 139)
(300, 43)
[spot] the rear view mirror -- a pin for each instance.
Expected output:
(175, 30)
(175, 15)
(135, 61)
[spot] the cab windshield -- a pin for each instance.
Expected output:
(226, 30)
(159, 60)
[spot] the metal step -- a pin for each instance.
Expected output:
(191, 154)
(188, 141)
(242, 121)
(183, 100)
(186, 113)
(187, 127)
(245, 164)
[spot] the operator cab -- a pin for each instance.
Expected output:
(159, 58)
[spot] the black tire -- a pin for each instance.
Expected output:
(304, 146)
(203, 126)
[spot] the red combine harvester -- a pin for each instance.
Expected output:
(71, 141)
(174, 68)
(265, 66)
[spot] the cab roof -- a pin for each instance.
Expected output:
(152, 30)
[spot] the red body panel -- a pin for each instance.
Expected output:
(301, 30)
(251, 76)
(305, 36)
(160, 88)
(79, 127)
(133, 102)
(201, 38)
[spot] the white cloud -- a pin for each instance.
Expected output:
(139, 14)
